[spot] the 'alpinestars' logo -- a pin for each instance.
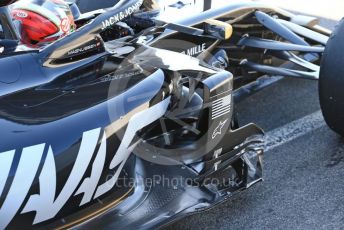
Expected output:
(218, 130)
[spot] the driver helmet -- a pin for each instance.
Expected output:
(43, 21)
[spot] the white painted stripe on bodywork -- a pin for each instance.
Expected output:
(47, 204)
(26, 172)
(90, 184)
(136, 123)
(6, 159)
(293, 130)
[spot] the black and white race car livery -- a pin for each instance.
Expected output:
(129, 122)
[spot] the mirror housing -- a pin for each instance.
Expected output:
(218, 29)
(8, 29)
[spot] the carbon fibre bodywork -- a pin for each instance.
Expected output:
(130, 132)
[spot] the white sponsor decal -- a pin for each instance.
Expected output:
(65, 25)
(195, 50)
(44, 204)
(22, 181)
(121, 15)
(83, 49)
(5, 166)
(219, 128)
(112, 76)
(218, 153)
(47, 203)
(221, 107)
(22, 14)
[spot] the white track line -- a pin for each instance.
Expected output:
(293, 130)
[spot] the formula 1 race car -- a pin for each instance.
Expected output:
(129, 121)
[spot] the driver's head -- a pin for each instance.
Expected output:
(43, 20)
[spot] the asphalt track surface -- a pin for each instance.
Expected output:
(304, 165)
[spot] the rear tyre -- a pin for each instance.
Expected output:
(331, 83)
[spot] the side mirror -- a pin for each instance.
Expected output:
(8, 31)
(151, 5)
(8, 46)
(218, 29)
